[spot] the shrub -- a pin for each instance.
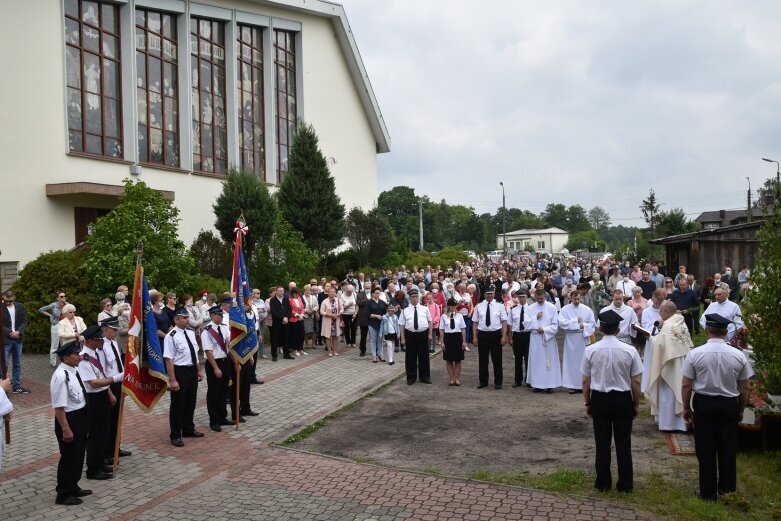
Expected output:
(37, 285)
(211, 255)
(210, 284)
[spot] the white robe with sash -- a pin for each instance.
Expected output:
(544, 365)
(575, 341)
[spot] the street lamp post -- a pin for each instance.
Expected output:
(778, 169)
(504, 222)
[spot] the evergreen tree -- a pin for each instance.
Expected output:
(307, 196)
(244, 194)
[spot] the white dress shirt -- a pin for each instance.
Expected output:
(498, 315)
(407, 318)
(89, 370)
(65, 389)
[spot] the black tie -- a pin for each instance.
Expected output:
(415, 319)
(453, 321)
(116, 354)
(522, 310)
(487, 313)
(192, 349)
(81, 383)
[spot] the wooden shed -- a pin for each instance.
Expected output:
(705, 252)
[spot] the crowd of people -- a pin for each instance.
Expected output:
(526, 303)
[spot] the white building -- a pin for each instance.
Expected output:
(546, 240)
(170, 92)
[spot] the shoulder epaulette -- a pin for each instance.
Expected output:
(173, 332)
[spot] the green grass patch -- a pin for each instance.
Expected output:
(433, 470)
(758, 496)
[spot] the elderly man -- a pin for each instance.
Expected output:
(685, 301)
(727, 309)
(544, 371)
(718, 375)
(628, 317)
(670, 347)
(577, 321)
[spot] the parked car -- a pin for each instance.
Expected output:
(495, 255)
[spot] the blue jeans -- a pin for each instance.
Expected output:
(14, 347)
(375, 341)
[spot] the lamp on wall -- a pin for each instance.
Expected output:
(135, 169)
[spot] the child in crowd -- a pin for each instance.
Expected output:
(389, 330)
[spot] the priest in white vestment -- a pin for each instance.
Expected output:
(577, 321)
(628, 317)
(670, 347)
(541, 320)
(651, 321)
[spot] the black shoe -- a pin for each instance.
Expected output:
(215, 428)
(374, 361)
(250, 412)
(273, 358)
(123, 453)
(391, 363)
(109, 467)
(70, 501)
(194, 434)
(177, 442)
(549, 391)
(100, 475)
(535, 390)
(288, 357)
(362, 354)
(425, 381)
(497, 387)
(410, 382)
(516, 385)
(255, 381)
(482, 385)
(529, 386)
(403, 350)
(83, 492)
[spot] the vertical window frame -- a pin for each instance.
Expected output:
(288, 68)
(257, 74)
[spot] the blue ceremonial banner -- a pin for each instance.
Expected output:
(244, 338)
(146, 378)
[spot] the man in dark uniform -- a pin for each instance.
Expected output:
(181, 362)
(416, 331)
(611, 387)
(70, 424)
(215, 339)
(489, 320)
(245, 370)
(520, 337)
(718, 375)
(93, 370)
(279, 306)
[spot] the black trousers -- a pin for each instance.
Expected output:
(244, 386)
(71, 454)
(279, 338)
(180, 415)
(687, 318)
(364, 336)
(416, 360)
(612, 415)
(349, 329)
(295, 336)
(716, 439)
(217, 391)
(521, 352)
(489, 344)
(99, 426)
(112, 433)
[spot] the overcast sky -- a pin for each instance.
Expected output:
(580, 102)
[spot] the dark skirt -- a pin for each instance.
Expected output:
(453, 347)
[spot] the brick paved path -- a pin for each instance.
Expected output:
(236, 475)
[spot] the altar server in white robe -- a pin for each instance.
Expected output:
(651, 322)
(727, 309)
(577, 321)
(671, 346)
(628, 317)
(541, 320)
(6, 407)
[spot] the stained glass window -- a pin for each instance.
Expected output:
(285, 64)
(250, 100)
(157, 88)
(207, 55)
(92, 65)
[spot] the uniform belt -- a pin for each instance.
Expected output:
(409, 331)
(717, 397)
(490, 331)
(610, 392)
(77, 411)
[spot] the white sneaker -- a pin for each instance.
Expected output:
(298, 353)
(304, 353)
(467, 348)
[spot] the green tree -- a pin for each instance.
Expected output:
(761, 306)
(38, 284)
(400, 206)
(370, 235)
(765, 192)
(526, 220)
(244, 194)
(650, 209)
(212, 255)
(598, 218)
(674, 222)
(577, 220)
(142, 215)
(286, 258)
(307, 196)
(556, 215)
(585, 240)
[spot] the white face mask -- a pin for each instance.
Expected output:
(203, 298)
(435, 291)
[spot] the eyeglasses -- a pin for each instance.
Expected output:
(668, 280)
(60, 296)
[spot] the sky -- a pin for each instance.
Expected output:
(575, 102)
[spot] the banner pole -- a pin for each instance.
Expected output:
(237, 368)
(4, 372)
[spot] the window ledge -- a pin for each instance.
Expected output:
(99, 158)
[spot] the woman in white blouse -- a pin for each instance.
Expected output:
(311, 315)
(71, 326)
(347, 299)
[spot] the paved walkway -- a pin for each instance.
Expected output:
(237, 475)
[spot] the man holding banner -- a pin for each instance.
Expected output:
(181, 361)
(214, 339)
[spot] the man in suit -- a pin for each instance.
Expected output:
(697, 289)
(280, 311)
(14, 324)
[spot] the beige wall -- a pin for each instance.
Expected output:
(34, 147)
